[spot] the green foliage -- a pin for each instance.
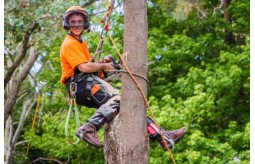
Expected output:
(201, 81)
(51, 139)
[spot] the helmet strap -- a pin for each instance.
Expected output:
(75, 36)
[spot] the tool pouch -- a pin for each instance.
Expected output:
(98, 93)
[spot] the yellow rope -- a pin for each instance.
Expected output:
(35, 115)
(144, 97)
(36, 110)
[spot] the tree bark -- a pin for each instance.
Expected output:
(126, 138)
(11, 99)
(8, 146)
(12, 139)
(27, 107)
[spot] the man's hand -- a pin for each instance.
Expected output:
(108, 66)
(110, 58)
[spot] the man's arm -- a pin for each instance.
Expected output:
(90, 67)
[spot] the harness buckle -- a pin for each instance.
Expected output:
(73, 89)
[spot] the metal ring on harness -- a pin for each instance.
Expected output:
(73, 89)
(171, 141)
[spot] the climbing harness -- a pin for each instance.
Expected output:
(72, 108)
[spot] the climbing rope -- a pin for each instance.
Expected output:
(106, 21)
(135, 74)
(72, 108)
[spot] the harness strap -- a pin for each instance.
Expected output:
(89, 83)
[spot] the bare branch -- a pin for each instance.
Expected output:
(113, 77)
(117, 75)
(20, 143)
(51, 67)
(105, 10)
(90, 2)
(218, 7)
(47, 159)
(124, 71)
(23, 94)
(13, 8)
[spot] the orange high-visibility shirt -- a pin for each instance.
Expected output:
(72, 53)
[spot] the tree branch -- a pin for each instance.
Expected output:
(20, 143)
(13, 8)
(11, 99)
(90, 2)
(21, 55)
(47, 159)
(105, 10)
(27, 106)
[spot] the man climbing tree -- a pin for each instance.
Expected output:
(80, 74)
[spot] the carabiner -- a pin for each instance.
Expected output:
(73, 89)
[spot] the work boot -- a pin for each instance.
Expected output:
(171, 137)
(88, 133)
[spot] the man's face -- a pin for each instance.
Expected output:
(76, 23)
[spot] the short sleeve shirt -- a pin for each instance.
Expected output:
(72, 53)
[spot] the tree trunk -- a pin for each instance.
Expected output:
(11, 99)
(8, 146)
(12, 138)
(126, 139)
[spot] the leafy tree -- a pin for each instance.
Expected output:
(205, 80)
